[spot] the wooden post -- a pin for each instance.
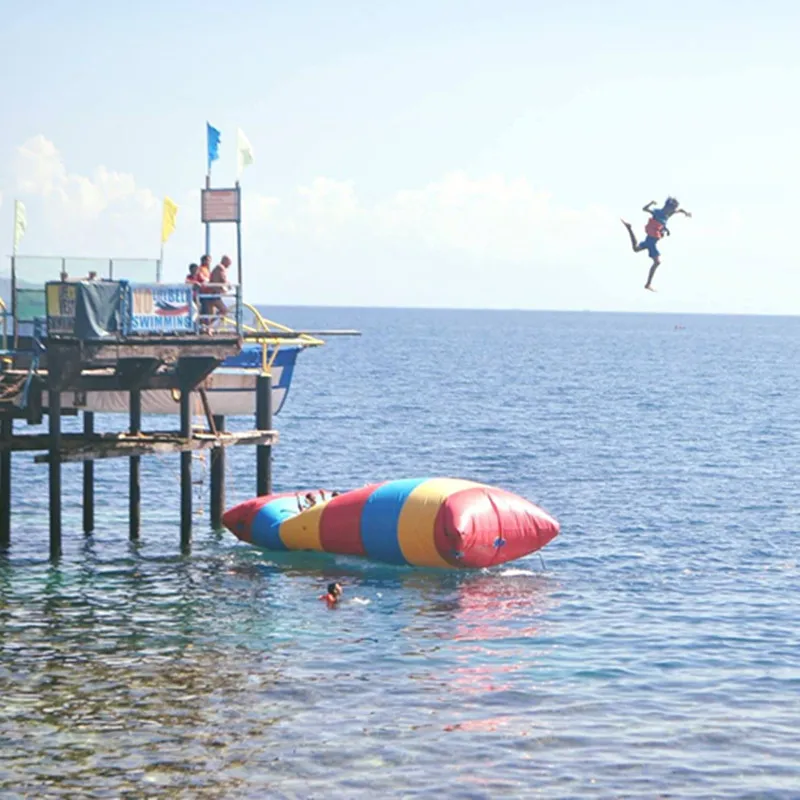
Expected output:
(218, 477)
(264, 423)
(54, 425)
(135, 488)
(6, 434)
(186, 471)
(88, 477)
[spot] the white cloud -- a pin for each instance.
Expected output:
(101, 214)
(492, 217)
(40, 170)
(327, 205)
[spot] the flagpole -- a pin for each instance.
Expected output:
(239, 236)
(160, 269)
(208, 225)
(14, 274)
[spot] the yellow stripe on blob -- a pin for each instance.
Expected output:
(302, 532)
(416, 524)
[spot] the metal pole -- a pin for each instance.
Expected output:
(218, 477)
(135, 488)
(14, 299)
(54, 425)
(6, 435)
(264, 423)
(88, 477)
(239, 233)
(208, 224)
(186, 471)
(160, 265)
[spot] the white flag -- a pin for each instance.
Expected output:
(244, 151)
(20, 223)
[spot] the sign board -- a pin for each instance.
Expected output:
(62, 304)
(161, 309)
(220, 205)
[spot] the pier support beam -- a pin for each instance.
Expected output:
(218, 477)
(54, 426)
(6, 434)
(135, 488)
(264, 423)
(186, 471)
(88, 477)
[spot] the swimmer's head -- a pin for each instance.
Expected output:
(671, 204)
(335, 590)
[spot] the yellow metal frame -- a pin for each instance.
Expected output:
(266, 326)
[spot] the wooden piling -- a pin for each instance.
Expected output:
(88, 477)
(186, 471)
(218, 477)
(264, 423)
(54, 427)
(6, 434)
(134, 488)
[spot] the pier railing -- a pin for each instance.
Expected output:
(35, 271)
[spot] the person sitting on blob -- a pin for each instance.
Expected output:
(655, 229)
(333, 595)
(306, 501)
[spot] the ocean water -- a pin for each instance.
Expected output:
(652, 651)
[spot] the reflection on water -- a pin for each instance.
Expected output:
(136, 674)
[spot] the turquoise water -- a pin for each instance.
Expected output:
(652, 652)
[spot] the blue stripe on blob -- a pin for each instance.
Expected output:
(379, 519)
(265, 530)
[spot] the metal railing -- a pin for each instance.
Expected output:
(219, 307)
(35, 271)
(263, 331)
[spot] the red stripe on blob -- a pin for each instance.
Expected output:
(340, 525)
(484, 526)
(239, 519)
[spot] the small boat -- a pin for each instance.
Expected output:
(230, 389)
(421, 522)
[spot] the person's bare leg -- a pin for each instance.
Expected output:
(648, 285)
(634, 243)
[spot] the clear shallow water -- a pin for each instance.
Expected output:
(654, 652)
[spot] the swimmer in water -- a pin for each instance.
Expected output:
(655, 229)
(333, 596)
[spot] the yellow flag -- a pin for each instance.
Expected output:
(20, 223)
(168, 220)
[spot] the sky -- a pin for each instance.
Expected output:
(434, 153)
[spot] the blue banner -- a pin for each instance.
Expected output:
(161, 309)
(213, 145)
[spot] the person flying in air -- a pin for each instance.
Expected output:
(655, 229)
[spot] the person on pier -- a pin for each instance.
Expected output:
(217, 285)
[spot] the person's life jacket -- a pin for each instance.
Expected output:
(654, 228)
(330, 599)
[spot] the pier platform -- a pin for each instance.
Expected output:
(116, 336)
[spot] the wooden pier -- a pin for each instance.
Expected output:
(132, 350)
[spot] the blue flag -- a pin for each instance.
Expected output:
(213, 145)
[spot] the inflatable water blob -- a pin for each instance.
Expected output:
(421, 522)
